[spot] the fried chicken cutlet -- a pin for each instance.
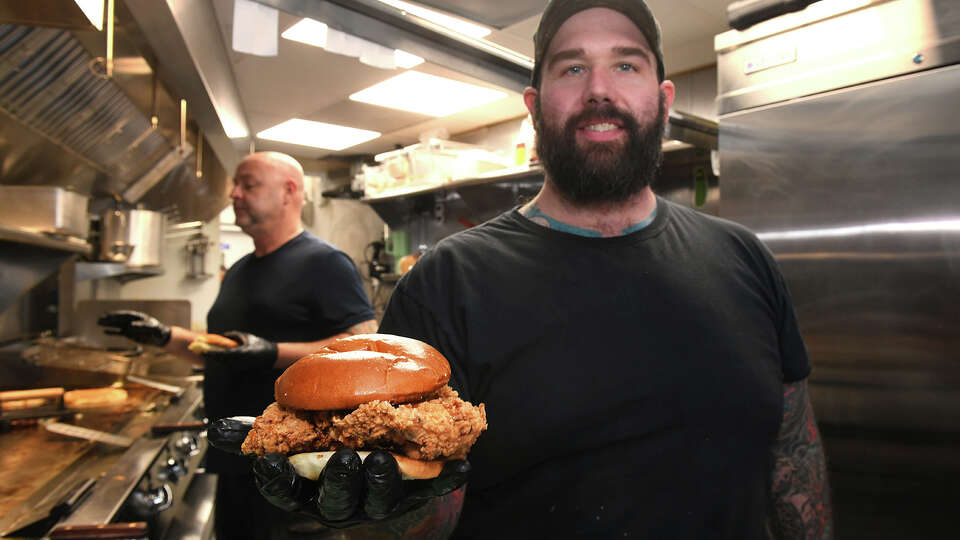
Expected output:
(442, 427)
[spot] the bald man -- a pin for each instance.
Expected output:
(281, 302)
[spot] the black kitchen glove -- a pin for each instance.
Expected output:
(253, 352)
(351, 491)
(227, 434)
(137, 326)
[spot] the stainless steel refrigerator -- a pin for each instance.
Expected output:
(839, 138)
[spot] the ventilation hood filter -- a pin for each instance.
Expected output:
(48, 84)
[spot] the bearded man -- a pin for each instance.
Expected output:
(641, 364)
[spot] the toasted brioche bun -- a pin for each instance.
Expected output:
(311, 464)
(210, 342)
(362, 368)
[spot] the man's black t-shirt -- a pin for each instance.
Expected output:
(304, 291)
(633, 385)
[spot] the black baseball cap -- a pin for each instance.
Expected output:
(558, 11)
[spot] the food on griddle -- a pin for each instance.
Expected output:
(19, 400)
(92, 398)
(368, 392)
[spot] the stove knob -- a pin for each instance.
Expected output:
(172, 470)
(151, 501)
(186, 445)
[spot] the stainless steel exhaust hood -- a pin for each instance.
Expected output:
(52, 87)
(64, 123)
(116, 141)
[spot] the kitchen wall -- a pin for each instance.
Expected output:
(180, 281)
(348, 224)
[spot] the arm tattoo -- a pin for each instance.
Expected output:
(366, 327)
(800, 492)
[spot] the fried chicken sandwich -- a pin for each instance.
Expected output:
(368, 392)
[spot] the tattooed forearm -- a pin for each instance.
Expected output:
(800, 492)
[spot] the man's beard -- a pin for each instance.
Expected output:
(600, 173)
(247, 219)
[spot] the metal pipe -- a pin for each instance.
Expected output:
(183, 123)
(109, 38)
(199, 153)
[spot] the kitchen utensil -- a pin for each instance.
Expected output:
(136, 529)
(87, 433)
(45, 210)
(176, 390)
(132, 236)
(166, 429)
(48, 513)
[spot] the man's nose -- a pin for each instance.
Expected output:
(599, 86)
(235, 192)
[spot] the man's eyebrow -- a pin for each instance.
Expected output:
(573, 54)
(632, 51)
(566, 54)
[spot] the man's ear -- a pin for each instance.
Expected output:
(530, 99)
(669, 93)
(289, 189)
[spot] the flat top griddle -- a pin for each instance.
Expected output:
(32, 458)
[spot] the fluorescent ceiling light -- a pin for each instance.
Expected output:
(317, 134)
(93, 9)
(459, 26)
(307, 31)
(427, 94)
(405, 60)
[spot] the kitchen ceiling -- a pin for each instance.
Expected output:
(308, 82)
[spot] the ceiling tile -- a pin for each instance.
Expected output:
(301, 83)
(366, 116)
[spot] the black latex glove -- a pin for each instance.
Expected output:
(253, 352)
(349, 492)
(137, 326)
(227, 434)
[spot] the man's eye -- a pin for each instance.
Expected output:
(626, 67)
(574, 70)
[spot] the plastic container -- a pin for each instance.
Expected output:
(427, 164)
(439, 161)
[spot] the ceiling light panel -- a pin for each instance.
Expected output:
(317, 134)
(427, 94)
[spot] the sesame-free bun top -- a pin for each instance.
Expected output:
(362, 368)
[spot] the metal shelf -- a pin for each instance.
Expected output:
(62, 243)
(476, 199)
(504, 175)
(86, 271)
